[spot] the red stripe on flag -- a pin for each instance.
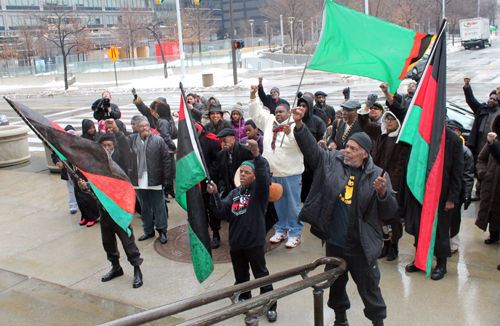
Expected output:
(55, 125)
(415, 50)
(429, 208)
(182, 114)
(426, 99)
(119, 191)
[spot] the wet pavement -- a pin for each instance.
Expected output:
(50, 270)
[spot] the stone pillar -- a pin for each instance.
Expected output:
(14, 147)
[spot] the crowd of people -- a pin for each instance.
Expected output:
(329, 165)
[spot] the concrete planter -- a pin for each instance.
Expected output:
(14, 147)
(50, 164)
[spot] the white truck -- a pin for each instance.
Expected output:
(475, 32)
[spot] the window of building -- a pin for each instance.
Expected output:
(2, 25)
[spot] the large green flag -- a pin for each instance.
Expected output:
(358, 44)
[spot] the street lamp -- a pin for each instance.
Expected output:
(267, 36)
(251, 27)
(302, 23)
(290, 21)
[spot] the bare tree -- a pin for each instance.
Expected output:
(8, 51)
(202, 20)
(131, 29)
(63, 29)
(29, 35)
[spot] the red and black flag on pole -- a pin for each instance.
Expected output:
(109, 183)
(424, 129)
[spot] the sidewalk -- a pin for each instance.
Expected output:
(50, 270)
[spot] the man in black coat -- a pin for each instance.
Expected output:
(321, 106)
(149, 172)
(484, 114)
(344, 181)
(230, 158)
(104, 109)
(450, 197)
(399, 103)
(273, 100)
(210, 147)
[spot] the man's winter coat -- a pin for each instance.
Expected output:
(400, 105)
(488, 170)
(269, 102)
(103, 114)
(226, 171)
(480, 112)
(247, 230)
(338, 132)
(326, 113)
(158, 160)
(314, 123)
(331, 175)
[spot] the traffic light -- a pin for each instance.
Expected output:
(239, 44)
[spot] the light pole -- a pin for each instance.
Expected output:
(267, 36)
(312, 31)
(251, 27)
(416, 24)
(282, 39)
(302, 23)
(290, 21)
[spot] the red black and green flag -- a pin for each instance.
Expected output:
(359, 44)
(108, 181)
(424, 129)
(190, 172)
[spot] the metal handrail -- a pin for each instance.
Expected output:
(253, 308)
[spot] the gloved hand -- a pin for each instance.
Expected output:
(134, 93)
(370, 100)
(299, 94)
(467, 202)
(347, 93)
(416, 77)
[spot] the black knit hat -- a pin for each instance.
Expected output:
(363, 140)
(106, 136)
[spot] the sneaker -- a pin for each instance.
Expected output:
(278, 237)
(293, 242)
(73, 211)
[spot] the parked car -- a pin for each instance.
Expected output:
(463, 115)
(3, 120)
(419, 67)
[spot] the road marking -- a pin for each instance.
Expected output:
(61, 108)
(491, 67)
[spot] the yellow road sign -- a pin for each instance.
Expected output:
(113, 53)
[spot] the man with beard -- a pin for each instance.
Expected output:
(271, 101)
(328, 110)
(344, 182)
(398, 103)
(197, 109)
(229, 159)
(484, 114)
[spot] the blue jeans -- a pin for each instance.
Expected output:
(152, 204)
(288, 207)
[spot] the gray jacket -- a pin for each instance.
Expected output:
(330, 178)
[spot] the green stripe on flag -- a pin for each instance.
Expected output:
(200, 257)
(430, 254)
(417, 168)
(121, 217)
(189, 173)
(411, 126)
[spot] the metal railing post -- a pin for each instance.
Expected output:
(318, 307)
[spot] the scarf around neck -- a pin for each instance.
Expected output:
(141, 154)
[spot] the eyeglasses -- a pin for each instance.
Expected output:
(143, 126)
(389, 118)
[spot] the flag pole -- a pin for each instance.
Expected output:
(305, 67)
(443, 26)
(49, 146)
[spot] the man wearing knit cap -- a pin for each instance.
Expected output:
(345, 128)
(337, 209)
(244, 208)
(273, 100)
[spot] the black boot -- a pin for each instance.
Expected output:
(440, 270)
(341, 319)
(494, 237)
(393, 252)
(146, 236)
(385, 249)
(411, 268)
(379, 322)
(163, 236)
(116, 270)
(216, 240)
(137, 277)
